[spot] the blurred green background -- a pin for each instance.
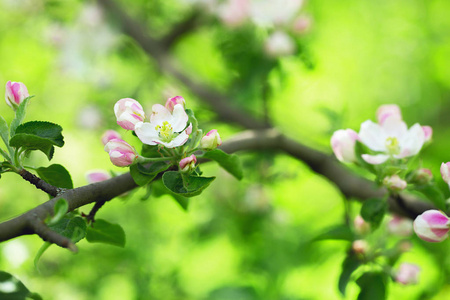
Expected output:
(238, 240)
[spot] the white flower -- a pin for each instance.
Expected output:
(165, 128)
(392, 138)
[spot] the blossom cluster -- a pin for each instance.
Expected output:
(167, 127)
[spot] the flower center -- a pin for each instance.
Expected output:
(392, 146)
(165, 131)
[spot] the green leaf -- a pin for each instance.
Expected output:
(159, 190)
(185, 185)
(60, 209)
(72, 227)
(192, 119)
(349, 265)
(46, 130)
(434, 194)
(11, 288)
(182, 201)
(4, 133)
(56, 175)
(37, 135)
(20, 115)
(373, 211)
(360, 149)
(105, 232)
(150, 151)
(373, 286)
(143, 174)
(231, 163)
(339, 232)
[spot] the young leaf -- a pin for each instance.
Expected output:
(231, 163)
(12, 288)
(339, 232)
(4, 133)
(32, 142)
(105, 232)
(140, 178)
(373, 211)
(159, 190)
(72, 227)
(20, 115)
(150, 151)
(373, 286)
(349, 265)
(185, 185)
(192, 119)
(56, 175)
(60, 209)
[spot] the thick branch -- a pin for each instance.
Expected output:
(349, 184)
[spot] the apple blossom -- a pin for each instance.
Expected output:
(361, 226)
(432, 226)
(234, 12)
(279, 44)
(274, 12)
(188, 163)
(388, 110)
(171, 102)
(343, 144)
(422, 176)
(360, 247)
(301, 24)
(392, 138)
(445, 172)
(15, 93)
(109, 135)
(165, 128)
(121, 153)
(428, 132)
(407, 274)
(400, 226)
(211, 140)
(97, 176)
(128, 112)
(395, 183)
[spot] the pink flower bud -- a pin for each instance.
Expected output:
(128, 112)
(279, 44)
(211, 140)
(97, 176)
(400, 226)
(15, 93)
(422, 176)
(361, 226)
(109, 135)
(343, 144)
(121, 153)
(428, 131)
(432, 226)
(445, 172)
(301, 24)
(188, 163)
(360, 246)
(234, 12)
(171, 102)
(407, 274)
(395, 183)
(387, 111)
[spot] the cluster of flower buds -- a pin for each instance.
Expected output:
(167, 126)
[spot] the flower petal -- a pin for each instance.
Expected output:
(179, 118)
(412, 141)
(394, 127)
(375, 159)
(180, 140)
(146, 133)
(159, 115)
(373, 136)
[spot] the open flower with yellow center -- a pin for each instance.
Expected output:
(165, 127)
(392, 138)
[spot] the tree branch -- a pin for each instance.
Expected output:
(39, 183)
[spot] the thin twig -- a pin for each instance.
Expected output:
(39, 183)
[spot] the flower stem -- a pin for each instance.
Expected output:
(142, 159)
